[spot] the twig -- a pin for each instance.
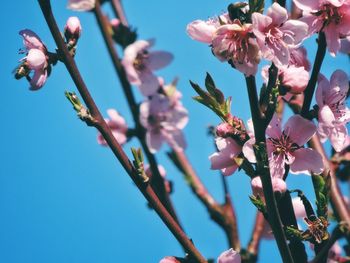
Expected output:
(119, 12)
(101, 125)
(157, 180)
(257, 233)
(263, 171)
(310, 88)
(223, 215)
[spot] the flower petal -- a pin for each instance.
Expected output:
(159, 59)
(306, 161)
(299, 129)
(229, 256)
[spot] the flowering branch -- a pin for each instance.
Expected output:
(223, 215)
(101, 125)
(157, 180)
(263, 170)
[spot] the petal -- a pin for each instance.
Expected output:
(338, 137)
(260, 23)
(297, 29)
(278, 14)
(339, 83)
(332, 39)
(159, 59)
(299, 129)
(229, 170)
(149, 83)
(277, 163)
(38, 80)
(176, 140)
(306, 161)
(307, 5)
(220, 160)
(298, 206)
(228, 145)
(201, 31)
(116, 118)
(81, 5)
(229, 256)
(31, 40)
(248, 150)
(154, 141)
(326, 116)
(322, 89)
(274, 129)
(36, 59)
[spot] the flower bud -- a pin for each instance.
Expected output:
(169, 260)
(72, 30)
(229, 256)
(36, 59)
(278, 185)
(224, 130)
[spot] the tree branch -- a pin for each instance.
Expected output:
(157, 181)
(101, 125)
(264, 171)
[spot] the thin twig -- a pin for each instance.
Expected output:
(157, 180)
(101, 125)
(257, 234)
(310, 88)
(117, 8)
(263, 171)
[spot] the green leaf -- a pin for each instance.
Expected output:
(258, 203)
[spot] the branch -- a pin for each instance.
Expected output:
(157, 181)
(253, 246)
(101, 125)
(310, 88)
(223, 215)
(119, 12)
(264, 171)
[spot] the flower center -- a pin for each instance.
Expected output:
(329, 14)
(283, 145)
(140, 60)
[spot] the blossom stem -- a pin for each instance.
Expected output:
(101, 125)
(157, 180)
(310, 88)
(224, 215)
(264, 171)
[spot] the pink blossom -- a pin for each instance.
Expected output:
(139, 64)
(276, 34)
(278, 185)
(229, 256)
(286, 147)
(224, 159)
(333, 114)
(291, 78)
(163, 122)
(115, 22)
(72, 29)
(169, 260)
(81, 5)
(330, 16)
(233, 42)
(36, 59)
(118, 126)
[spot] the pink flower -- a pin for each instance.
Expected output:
(81, 5)
(72, 30)
(276, 34)
(139, 64)
(286, 147)
(229, 256)
(291, 78)
(278, 185)
(118, 126)
(330, 16)
(233, 42)
(224, 159)
(36, 60)
(169, 260)
(333, 113)
(163, 122)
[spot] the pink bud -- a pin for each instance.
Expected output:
(224, 130)
(278, 185)
(36, 59)
(72, 28)
(115, 22)
(229, 256)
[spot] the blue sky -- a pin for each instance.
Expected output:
(64, 198)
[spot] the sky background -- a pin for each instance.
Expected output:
(63, 197)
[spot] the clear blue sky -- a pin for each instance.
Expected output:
(64, 198)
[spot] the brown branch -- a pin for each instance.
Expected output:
(157, 181)
(101, 125)
(264, 171)
(257, 234)
(224, 215)
(119, 12)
